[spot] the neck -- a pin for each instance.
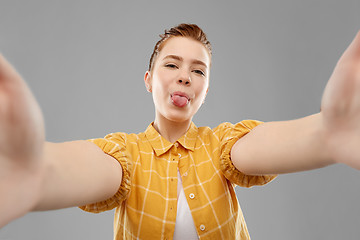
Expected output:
(171, 130)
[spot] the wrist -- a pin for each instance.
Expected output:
(327, 141)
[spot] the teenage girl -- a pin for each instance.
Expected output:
(175, 180)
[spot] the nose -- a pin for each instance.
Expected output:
(186, 82)
(184, 79)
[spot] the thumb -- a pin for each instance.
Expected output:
(353, 50)
(7, 71)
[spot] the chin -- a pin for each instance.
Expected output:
(176, 114)
(178, 118)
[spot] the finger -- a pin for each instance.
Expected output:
(353, 50)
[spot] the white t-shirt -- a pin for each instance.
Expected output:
(184, 225)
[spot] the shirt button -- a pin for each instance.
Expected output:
(185, 174)
(191, 196)
(176, 144)
(202, 227)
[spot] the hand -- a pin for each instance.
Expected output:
(340, 107)
(21, 144)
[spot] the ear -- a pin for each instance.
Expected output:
(147, 80)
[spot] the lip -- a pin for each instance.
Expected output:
(181, 94)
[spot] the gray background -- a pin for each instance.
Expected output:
(85, 61)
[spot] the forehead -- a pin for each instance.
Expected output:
(186, 48)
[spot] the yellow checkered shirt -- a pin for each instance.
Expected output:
(146, 202)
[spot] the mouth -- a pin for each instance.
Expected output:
(180, 99)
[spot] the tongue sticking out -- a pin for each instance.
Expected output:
(179, 101)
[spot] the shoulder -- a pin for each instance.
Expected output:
(118, 141)
(121, 137)
(227, 129)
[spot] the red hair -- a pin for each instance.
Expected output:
(182, 30)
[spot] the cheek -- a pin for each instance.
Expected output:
(201, 90)
(159, 89)
(161, 78)
(159, 93)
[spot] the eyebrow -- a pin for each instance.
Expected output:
(176, 57)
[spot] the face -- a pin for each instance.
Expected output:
(179, 79)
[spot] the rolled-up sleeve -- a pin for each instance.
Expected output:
(229, 134)
(113, 145)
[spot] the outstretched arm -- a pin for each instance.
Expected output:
(35, 175)
(331, 136)
(21, 143)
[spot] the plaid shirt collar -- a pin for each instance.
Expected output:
(160, 145)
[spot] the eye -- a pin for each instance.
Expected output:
(170, 65)
(197, 71)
